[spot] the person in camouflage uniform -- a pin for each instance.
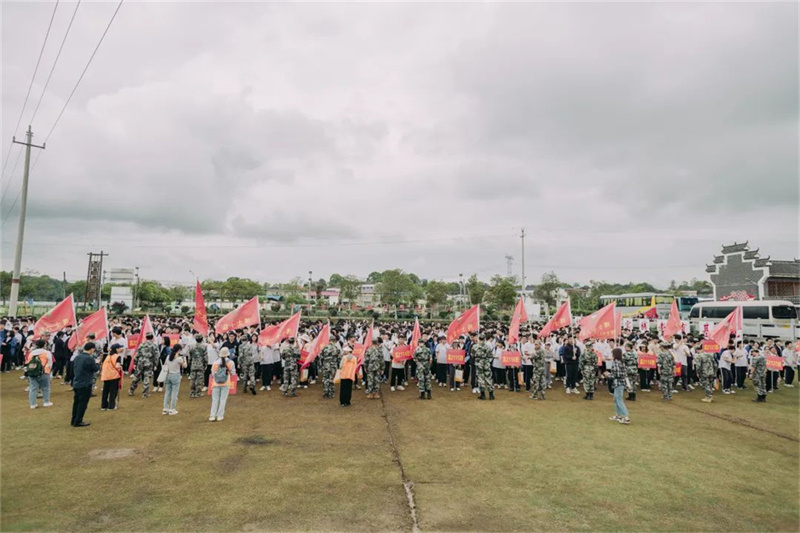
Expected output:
(483, 354)
(588, 364)
(631, 361)
(290, 356)
(538, 371)
(373, 362)
(422, 356)
(666, 370)
(329, 360)
(146, 356)
(706, 369)
(758, 373)
(197, 366)
(246, 366)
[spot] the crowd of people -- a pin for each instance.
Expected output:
(172, 352)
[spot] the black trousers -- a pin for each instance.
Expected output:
(266, 374)
(772, 380)
(6, 365)
(527, 373)
(346, 390)
(473, 376)
(387, 370)
(789, 376)
(398, 377)
(727, 378)
(60, 364)
(572, 375)
(513, 380)
(80, 402)
(741, 373)
(499, 375)
(441, 373)
(109, 398)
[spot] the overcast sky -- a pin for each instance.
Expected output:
(266, 140)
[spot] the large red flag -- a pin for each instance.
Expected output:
(316, 346)
(56, 319)
(96, 323)
(360, 350)
(674, 324)
(519, 316)
(245, 315)
(721, 333)
(600, 324)
(415, 335)
(466, 323)
(200, 323)
(618, 324)
(561, 319)
(275, 334)
(147, 327)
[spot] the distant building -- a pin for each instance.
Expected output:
(741, 273)
(120, 276)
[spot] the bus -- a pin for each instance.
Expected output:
(760, 318)
(632, 303)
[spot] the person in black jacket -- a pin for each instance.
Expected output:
(571, 357)
(84, 368)
(60, 354)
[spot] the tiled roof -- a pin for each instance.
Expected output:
(762, 262)
(751, 254)
(711, 268)
(718, 260)
(784, 269)
(735, 247)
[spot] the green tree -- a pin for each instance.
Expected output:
(436, 294)
(374, 277)
(235, 289)
(335, 280)
(350, 287)
(152, 294)
(502, 292)
(179, 293)
(547, 290)
(476, 289)
(397, 287)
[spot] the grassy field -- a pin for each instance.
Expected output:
(278, 464)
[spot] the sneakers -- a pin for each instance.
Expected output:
(164, 411)
(211, 419)
(268, 388)
(787, 385)
(615, 418)
(34, 406)
(452, 390)
(204, 389)
(48, 404)
(219, 418)
(392, 389)
(262, 388)
(625, 421)
(400, 387)
(732, 391)
(105, 409)
(706, 399)
(726, 392)
(173, 412)
(313, 381)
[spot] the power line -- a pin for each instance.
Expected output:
(30, 86)
(69, 99)
(58, 55)
(11, 176)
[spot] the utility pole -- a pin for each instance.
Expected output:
(523, 261)
(64, 285)
(23, 206)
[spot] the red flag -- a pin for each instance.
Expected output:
(721, 333)
(96, 323)
(466, 323)
(651, 313)
(56, 319)
(519, 316)
(561, 319)
(618, 324)
(600, 324)
(415, 335)
(316, 346)
(200, 323)
(275, 334)
(147, 327)
(360, 350)
(245, 315)
(674, 324)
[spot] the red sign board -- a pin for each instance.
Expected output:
(510, 358)
(647, 361)
(678, 369)
(774, 363)
(710, 347)
(402, 353)
(456, 357)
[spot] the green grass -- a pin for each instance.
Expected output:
(509, 465)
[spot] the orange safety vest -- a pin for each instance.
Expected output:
(109, 370)
(349, 368)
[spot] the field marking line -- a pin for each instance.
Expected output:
(408, 485)
(739, 421)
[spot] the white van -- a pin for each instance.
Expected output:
(761, 318)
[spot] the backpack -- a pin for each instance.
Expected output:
(34, 368)
(221, 375)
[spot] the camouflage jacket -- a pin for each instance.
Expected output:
(482, 352)
(704, 365)
(374, 357)
(247, 352)
(759, 365)
(290, 355)
(422, 355)
(198, 358)
(665, 362)
(330, 355)
(147, 355)
(631, 360)
(538, 360)
(588, 359)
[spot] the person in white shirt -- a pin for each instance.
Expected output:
(212, 354)
(526, 349)
(386, 347)
(740, 365)
(266, 356)
(680, 352)
(398, 370)
(789, 364)
(498, 368)
(551, 356)
(726, 360)
(441, 362)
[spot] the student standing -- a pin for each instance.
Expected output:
(740, 365)
(441, 362)
(221, 372)
(726, 361)
(618, 374)
(110, 375)
(347, 376)
(37, 370)
(173, 364)
(789, 362)
(398, 369)
(83, 368)
(498, 368)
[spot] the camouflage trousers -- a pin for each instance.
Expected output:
(196, 382)
(373, 380)
(247, 375)
(290, 378)
(667, 385)
(633, 380)
(707, 382)
(483, 371)
(589, 379)
(145, 375)
(760, 384)
(328, 373)
(538, 383)
(424, 378)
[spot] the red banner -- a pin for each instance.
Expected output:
(133, 342)
(510, 358)
(647, 361)
(402, 353)
(415, 335)
(200, 323)
(600, 324)
(245, 315)
(59, 317)
(275, 334)
(316, 346)
(456, 357)
(674, 324)
(678, 369)
(721, 333)
(774, 363)
(710, 347)
(466, 323)
(561, 319)
(96, 323)
(518, 318)
(174, 338)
